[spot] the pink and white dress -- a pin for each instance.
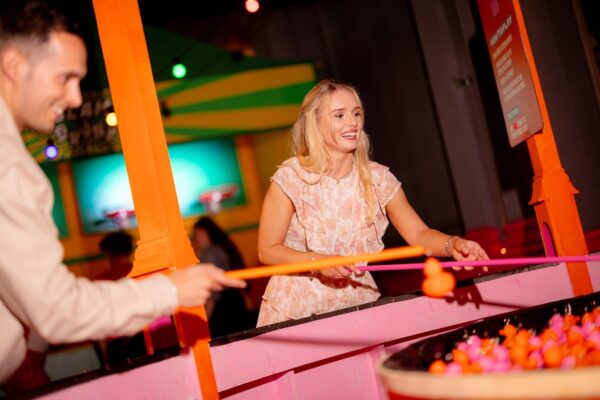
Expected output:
(330, 217)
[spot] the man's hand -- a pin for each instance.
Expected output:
(196, 283)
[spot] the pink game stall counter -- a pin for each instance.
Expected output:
(331, 356)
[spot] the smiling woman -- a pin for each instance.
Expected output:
(342, 126)
(329, 200)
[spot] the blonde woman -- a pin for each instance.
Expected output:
(330, 199)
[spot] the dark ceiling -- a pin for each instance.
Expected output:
(220, 22)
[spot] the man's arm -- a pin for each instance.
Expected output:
(40, 291)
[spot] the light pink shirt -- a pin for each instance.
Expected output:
(36, 290)
(330, 217)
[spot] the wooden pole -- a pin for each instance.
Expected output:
(163, 241)
(553, 193)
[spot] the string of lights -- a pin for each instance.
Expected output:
(178, 68)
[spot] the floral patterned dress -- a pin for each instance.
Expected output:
(330, 217)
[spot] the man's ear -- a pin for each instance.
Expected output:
(13, 63)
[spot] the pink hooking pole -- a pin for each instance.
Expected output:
(485, 263)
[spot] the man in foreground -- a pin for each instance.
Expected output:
(42, 61)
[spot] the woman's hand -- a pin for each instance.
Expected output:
(466, 250)
(338, 272)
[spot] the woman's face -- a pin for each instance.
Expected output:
(341, 122)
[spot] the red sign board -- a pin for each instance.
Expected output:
(511, 69)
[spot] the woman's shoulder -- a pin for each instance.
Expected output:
(292, 169)
(384, 181)
(292, 162)
(376, 167)
(378, 172)
(288, 169)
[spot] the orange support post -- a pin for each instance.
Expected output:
(553, 193)
(163, 241)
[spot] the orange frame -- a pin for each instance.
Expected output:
(553, 193)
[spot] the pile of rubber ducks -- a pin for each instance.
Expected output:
(569, 341)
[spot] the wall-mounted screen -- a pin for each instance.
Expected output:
(58, 209)
(206, 173)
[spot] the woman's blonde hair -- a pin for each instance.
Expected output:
(308, 144)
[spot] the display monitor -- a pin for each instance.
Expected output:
(207, 169)
(58, 209)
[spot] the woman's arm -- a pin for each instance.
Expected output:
(412, 228)
(275, 218)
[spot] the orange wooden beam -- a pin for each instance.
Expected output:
(553, 193)
(163, 240)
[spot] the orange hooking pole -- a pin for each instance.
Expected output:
(163, 241)
(553, 193)
(285, 269)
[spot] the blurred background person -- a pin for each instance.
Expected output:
(118, 248)
(227, 311)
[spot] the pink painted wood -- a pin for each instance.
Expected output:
(173, 378)
(332, 358)
(594, 269)
(293, 347)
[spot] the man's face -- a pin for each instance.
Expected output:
(49, 82)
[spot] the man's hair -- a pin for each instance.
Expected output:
(32, 21)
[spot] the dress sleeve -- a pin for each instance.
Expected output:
(288, 181)
(386, 184)
(41, 292)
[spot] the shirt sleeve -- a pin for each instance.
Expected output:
(41, 292)
(288, 181)
(386, 184)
